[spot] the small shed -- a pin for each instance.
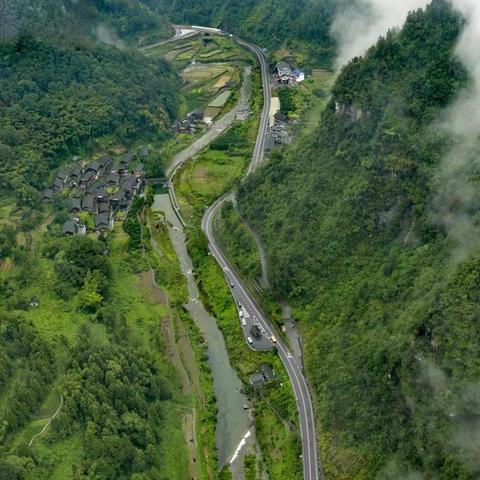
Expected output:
(256, 380)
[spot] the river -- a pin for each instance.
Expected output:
(232, 419)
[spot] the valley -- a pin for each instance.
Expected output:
(243, 251)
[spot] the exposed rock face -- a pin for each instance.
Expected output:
(349, 111)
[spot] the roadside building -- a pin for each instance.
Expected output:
(267, 372)
(215, 106)
(298, 75)
(210, 114)
(283, 68)
(283, 72)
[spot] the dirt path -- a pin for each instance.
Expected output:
(48, 423)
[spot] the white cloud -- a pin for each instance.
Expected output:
(358, 27)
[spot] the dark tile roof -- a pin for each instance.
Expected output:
(143, 152)
(74, 204)
(102, 221)
(113, 178)
(57, 184)
(62, 174)
(267, 372)
(130, 183)
(76, 172)
(126, 159)
(69, 228)
(103, 207)
(87, 176)
(100, 192)
(105, 161)
(93, 167)
(256, 379)
(88, 203)
(47, 194)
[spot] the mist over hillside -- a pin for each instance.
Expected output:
(362, 224)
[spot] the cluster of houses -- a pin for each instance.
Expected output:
(99, 188)
(278, 133)
(191, 123)
(285, 75)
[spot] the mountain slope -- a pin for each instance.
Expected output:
(56, 97)
(269, 23)
(58, 18)
(389, 320)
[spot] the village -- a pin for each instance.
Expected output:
(284, 77)
(97, 191)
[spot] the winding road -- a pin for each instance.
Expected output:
(311, 465)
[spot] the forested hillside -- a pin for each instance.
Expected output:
(389, 315)
(86, 388)
(57, 98)
(94, 18)
(270, 23)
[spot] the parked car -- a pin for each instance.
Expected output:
(249, 340)
(244, 322)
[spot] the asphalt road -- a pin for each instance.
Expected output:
(311, 465)
(311, 468)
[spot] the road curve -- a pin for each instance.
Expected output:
(311, 468)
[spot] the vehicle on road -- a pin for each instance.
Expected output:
(244, 322)
(273, 339)
(250, 340)
(255, 331)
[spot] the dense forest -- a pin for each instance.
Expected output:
(93, 18)
(115, 387)
(389, 313)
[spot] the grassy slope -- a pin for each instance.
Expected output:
(56, 318)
